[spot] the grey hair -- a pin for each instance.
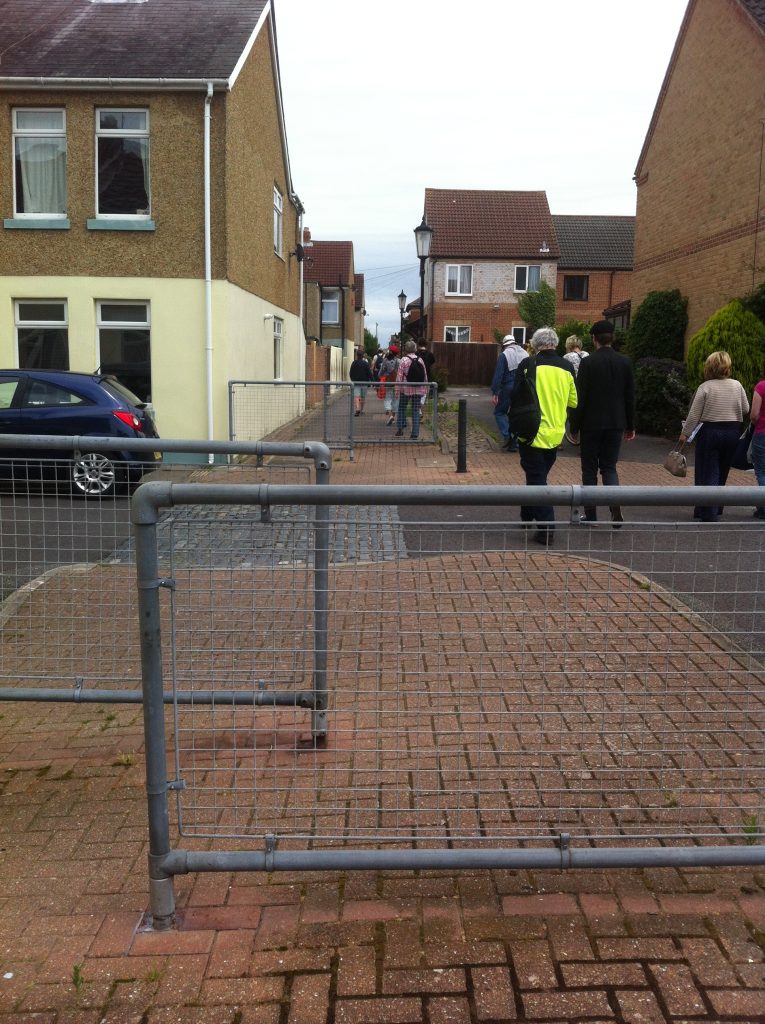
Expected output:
(573, 341)
(545, 337)
(410, 346)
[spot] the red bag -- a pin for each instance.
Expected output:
(381, 391)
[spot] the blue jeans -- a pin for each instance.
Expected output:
(403, 401)
(758, 458)
(500, 413)
(536, 464)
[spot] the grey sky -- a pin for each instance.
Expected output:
(384, 100)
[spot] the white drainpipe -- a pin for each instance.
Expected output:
(208, 269)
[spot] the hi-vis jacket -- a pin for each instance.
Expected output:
(556, 391)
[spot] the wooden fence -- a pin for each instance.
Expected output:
(470, 363)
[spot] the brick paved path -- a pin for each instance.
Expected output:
(629, 946)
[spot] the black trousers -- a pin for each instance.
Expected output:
(536, 464)
(715, 445)
(599, 453)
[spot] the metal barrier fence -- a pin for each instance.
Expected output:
(439, 691)
(295, 410)
(68, 621)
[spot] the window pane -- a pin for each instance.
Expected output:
(41, 312)
(40, 120)
(43, 348)
(123, 313)
(7, 391)
(520, 279)
(466, 280)
(519, 333)
(126, 353)
(41, 393)
(452, 280)
(575, 287)
(40, 175)
(535, 276)
(122, 120)
(450, 333)
(123, 176)
(463, 334)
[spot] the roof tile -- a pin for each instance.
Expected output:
(595, 242)
(329, 263)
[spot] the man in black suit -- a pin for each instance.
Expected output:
(605, 413)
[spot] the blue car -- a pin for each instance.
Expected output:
(76, 404)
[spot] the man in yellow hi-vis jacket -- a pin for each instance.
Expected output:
(556, 391)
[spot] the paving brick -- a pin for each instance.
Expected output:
(637, 949)
(451, 954)
(209, 918)
(569, 940)
(309, 999)
(738, 1003)
(241, 991)
(493, 993)
(448, 1010)
(378, 1011)
(377, 910)
(231, 954)
(439, 979)
(678, 990)
(696, 904)
(115, 934)
(707, 963)
(356, 971)
(640, 1008)
(180, 980)
(596, 905)
(540, 905)
(289, 961)
(171, 943)
(533, 964)
(278, 927)
(594, 975)
(565, 1005)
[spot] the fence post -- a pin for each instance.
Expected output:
(161, 892)
(462, 436)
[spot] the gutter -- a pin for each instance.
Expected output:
(208, 267)
(94, 84)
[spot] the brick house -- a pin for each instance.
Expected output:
(117, 122)
(330, 310)
(700, 203)
(487, 249)
(594, 266)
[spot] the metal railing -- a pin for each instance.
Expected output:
(68, 620)
(443, 692)
(293, 410)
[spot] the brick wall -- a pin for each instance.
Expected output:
(606, 288)
(699, 183)
(316, 368)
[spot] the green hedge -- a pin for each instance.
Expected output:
(658, 327)
(662, 396)
(736, 331)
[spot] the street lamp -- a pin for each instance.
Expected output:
(422, 236)
(401, 308)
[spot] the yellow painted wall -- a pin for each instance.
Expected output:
(242, 340)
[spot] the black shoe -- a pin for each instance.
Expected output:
(616, 517)
(399, 433)
(414, 437)
(357, 413)
(587, 519)
(511, 447)
(545, 537)
(507, 444)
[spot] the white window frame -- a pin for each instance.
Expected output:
(278, 348)
(19, 323)
(138, 325)
(336, 294)
(121, 133)
(457, 330)
(460, 267)
(43, 133)
(516, 331)
(526, 267)
(278, 222)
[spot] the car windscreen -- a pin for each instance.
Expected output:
(121, 393)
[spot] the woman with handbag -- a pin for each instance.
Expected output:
(757, 416)
(719, 405)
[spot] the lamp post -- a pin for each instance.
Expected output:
(401, 308)
(422, 236)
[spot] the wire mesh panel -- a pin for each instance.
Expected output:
(481, 688)
(300, 410)
(67, 568)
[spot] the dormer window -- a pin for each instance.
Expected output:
(122, 163)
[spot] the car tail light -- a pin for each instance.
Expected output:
(129, 418)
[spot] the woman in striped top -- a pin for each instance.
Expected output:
(719, 405)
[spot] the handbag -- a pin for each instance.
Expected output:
(742, 456)
(676, 463)
(524, 414)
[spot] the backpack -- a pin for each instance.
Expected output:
(415, 374)
(524, 415)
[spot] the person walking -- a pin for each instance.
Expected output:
(757, 416)
(574, 354)
(556, 391)
(411, 385)
(428, 359)
(387, 376)
(510, 357)
(719, 405)
(605, 414)
(361, 375)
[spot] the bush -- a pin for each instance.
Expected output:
(537, 308)
(662, 396)
(658, 327)
(755, 302)
(441, 376)
(577, 327)
(738, 332)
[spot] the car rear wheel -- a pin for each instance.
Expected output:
(94, 476)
